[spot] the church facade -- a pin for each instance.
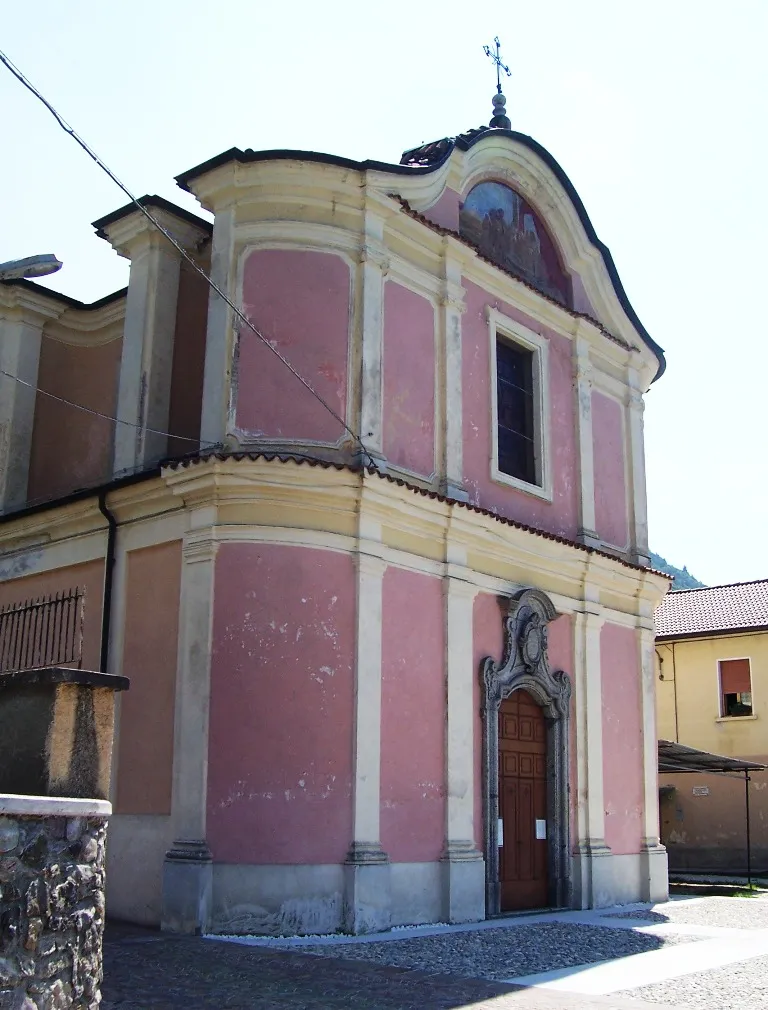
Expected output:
(390, 639)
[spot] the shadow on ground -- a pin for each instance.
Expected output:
(144, 970)
(147, 970)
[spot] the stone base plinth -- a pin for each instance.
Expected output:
(51, 901)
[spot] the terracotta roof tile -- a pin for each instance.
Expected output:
(736, 607)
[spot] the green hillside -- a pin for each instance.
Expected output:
(683, 578)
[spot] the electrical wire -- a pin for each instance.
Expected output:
(98, 413)
(181, 250)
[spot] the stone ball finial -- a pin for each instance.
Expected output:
(500, 120)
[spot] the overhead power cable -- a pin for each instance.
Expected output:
(181, 250)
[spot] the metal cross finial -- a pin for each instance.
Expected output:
(496, 58)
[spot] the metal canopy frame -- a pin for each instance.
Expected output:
(677, 758)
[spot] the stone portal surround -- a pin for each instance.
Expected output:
(51, 901)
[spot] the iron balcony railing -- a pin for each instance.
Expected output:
(44, 632)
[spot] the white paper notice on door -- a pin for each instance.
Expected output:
(541, 830)
(500, 833)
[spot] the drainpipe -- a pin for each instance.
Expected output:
(109, 568)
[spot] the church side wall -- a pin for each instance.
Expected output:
(300, 300)
(72, 448)
(409, 380)
(188, 365)
(87, 577)
(145, 743)
(561, 514)
(280, 746)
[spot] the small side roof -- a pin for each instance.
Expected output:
(730, 609)
(676, 757)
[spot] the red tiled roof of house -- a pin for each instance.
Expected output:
(736, 607)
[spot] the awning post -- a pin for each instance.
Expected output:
(749, 840)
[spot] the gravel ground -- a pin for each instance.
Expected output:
(733, 913)
(742, 986)
(501, 953)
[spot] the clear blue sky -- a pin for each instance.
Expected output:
(656, 111)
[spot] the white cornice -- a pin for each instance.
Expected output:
(89, 327)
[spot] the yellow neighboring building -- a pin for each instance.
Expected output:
(712, 694)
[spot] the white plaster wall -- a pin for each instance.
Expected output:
(136, 847)
(415, 890)
(277, 900)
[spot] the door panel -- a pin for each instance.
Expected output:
(522, 801)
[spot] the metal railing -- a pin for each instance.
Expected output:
(44, 632)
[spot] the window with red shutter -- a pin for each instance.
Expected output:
(735, 687)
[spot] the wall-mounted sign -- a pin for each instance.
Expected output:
(541, 830)
(500, 833)
(701, 790)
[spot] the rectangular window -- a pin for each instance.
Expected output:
(735, 687)
(515, 411)
(519, 406)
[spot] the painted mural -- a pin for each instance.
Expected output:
(496, 220)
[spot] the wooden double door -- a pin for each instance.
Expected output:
(522, 803)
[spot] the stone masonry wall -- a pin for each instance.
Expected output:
(51, 904)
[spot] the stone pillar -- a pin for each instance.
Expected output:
(21, 330)
(374, 264)
(219, 340)
(367, 897)
(188, 869)
(144, 389)
(51, 901)
(452, 307)
(656, 878)
(638, 502)
(587, 533)
(592, 863)
(463, 864)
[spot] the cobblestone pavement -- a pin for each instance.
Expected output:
(503, 953)
(144, 970)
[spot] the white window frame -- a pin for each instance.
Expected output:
(721, 715)
(501, 326)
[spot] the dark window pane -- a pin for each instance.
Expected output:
(514, 398)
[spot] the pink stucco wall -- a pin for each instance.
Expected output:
(409, 379)
(280, 751)
(413, 711)
(300, 301)
(446, 211)
(610, 481)
(622, 739)
(561, 515)
(488, 640)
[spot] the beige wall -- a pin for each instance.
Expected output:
(690, 686)
(703, 819)
(145, 743)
